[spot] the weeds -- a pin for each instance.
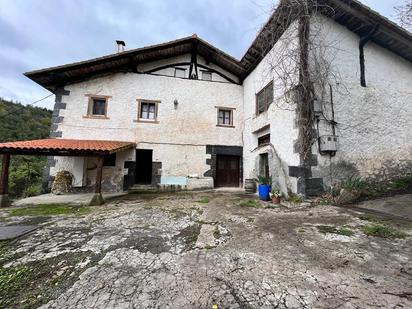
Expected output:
(363, 189)
(250, 203)
(294, 198)
(382, 230)
(353, 183)
(402, 182)
(203, 200)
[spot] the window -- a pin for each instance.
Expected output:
(147, 111)
(110, 160)
(206, 75)
(264, 140)
(180, 73)
(97, 106)
(264, 98)
(224, 117)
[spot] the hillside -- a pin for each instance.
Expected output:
(19, 122)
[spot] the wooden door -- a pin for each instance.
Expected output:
(227, 171)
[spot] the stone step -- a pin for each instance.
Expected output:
(154, 189)
(142, 189)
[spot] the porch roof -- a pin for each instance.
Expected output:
(65, 147)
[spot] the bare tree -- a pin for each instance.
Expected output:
(404, 14)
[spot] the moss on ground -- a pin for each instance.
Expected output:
(203, 200)
(36, 283)
(189, 235)
(49, 210)
(382, 230)
(325, 229)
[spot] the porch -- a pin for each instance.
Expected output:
(60, 147)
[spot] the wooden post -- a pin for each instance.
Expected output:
(99, 173)
(4, 181)
(98, 198)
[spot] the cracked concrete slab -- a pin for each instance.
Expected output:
(170, 251)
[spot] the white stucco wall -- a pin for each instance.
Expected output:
(180, 136)
(374, 123)
(280, 118)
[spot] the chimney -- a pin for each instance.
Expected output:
(120, 46)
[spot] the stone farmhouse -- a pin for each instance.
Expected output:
(323, 93)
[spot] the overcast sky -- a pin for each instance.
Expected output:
(35, 34)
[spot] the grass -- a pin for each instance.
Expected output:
(12, 280)
(4, 246)
(382, 230)
(48, 210)
(250, 203)
(333, 230)
(203, 200)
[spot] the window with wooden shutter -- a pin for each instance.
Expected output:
(264, 98)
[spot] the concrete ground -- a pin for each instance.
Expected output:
(195, 250)
(400, 205)
(72, 199)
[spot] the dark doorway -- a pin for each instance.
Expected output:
(227, 171)
(144, 158)
(264, 165)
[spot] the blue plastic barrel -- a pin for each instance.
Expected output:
(264, 192)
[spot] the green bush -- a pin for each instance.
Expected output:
(264, 180)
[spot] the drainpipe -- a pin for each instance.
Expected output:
(363, 40)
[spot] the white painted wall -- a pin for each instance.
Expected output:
(179, 138)
(280, 119)
(374, 123)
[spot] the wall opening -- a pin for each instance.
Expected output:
(144, 159)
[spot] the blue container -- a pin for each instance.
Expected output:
(264, 192)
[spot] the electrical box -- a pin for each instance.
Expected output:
(328, 143)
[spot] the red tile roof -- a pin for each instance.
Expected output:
(62, 146)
